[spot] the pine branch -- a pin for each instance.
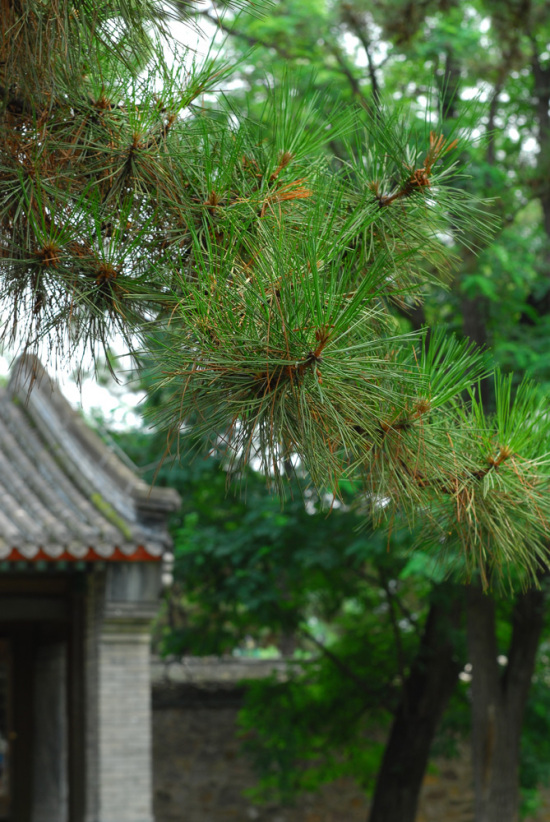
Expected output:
(259, 276)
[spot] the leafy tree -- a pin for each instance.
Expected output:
(266, 272)
(381, 640)
(499, 297)
(271, 273)
(382, 630)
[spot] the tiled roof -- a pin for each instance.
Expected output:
(64, 494)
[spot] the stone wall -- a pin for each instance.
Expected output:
(118, 687)
(124, 720)
(199, 774)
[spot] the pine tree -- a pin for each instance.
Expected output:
(259, 274)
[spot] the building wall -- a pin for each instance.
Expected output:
(118, 686)
(125, 728)
(199, 774)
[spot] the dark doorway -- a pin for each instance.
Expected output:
(6, 729)
(41, 700)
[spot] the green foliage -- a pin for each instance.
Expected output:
(251, 566)
(316, 730)
(535, 751)
(92, 129)
(511, 476)
(263, 277)
(301, 577)
(329, 717)
(463, 467)
(268, 259)
(249, 572)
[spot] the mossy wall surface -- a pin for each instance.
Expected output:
(200, 775)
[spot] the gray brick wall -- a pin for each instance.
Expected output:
(124, 725)
(118, 699)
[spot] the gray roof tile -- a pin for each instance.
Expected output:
(63, 492)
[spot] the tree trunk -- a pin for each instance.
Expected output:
(428, 688)
(541, 91)
(498, 700)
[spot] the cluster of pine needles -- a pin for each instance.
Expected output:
(259, 276)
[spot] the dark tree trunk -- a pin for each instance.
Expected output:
(474, 327)
(427, 690)
(541, 81)
(498, 700)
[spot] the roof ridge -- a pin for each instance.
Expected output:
(29, 376)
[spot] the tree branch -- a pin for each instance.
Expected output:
(372, 579)
(288, 55)
(348, 74)
(252, 41)
(359, 29)
(398, 644)
(346, 670)
(491, 123)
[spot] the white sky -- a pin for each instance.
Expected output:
(115, 404)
